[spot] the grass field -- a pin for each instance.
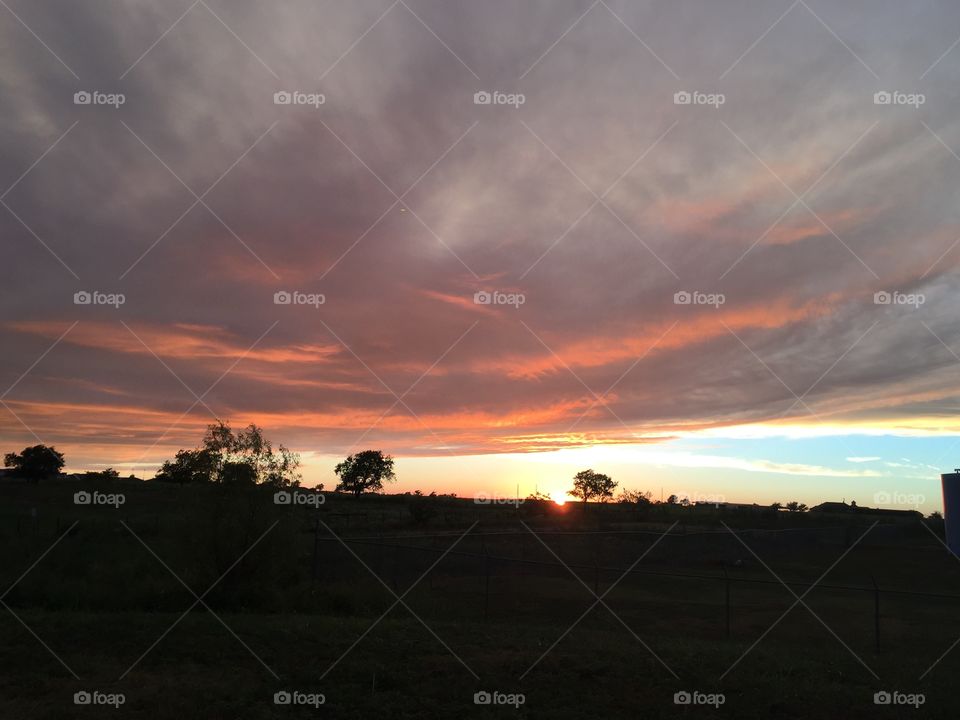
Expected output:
(108, 603)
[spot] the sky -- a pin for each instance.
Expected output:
(709, 248)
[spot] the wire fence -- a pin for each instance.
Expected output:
(397, 553)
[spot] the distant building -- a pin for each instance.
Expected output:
(834, 507)
(751, 507)
(951, 509)
(842, 508)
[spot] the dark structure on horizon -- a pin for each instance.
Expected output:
(843, 508)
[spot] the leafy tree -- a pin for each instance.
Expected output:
(238, 473)
(588, 484)
(422, 507)
(795, 506)
(634, 497)
(672, 500)
(107, 474)
(776, 506)
(36, 462)
(248, 447)
(244, 457)
(189, 466)
(367, 470)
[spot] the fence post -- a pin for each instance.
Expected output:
(876, 612)
(726, 582)
(316, 548)
(523, 556)
(486, 572)
(596, 566)
(396, 565)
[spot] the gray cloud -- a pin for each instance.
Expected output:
(505, 199)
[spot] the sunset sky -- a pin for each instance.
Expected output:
(782, 199)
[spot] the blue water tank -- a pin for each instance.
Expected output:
(951, 509)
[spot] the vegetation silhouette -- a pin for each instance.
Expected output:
(35, 463)
(589, 485)
(365, 471)
(228, 458)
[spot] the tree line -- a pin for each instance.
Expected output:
(224, 457)
(247, 457)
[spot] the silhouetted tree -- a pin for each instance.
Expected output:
(588, 484)
(238, 473)
(634, 497)
(189, 466)
(107, 474)
(367, 470)
(422, 507)
(35, 463)
(672, 500)
(244, 457)
(795, 506)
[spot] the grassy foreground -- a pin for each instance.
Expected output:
(100, 604)
(199, 670)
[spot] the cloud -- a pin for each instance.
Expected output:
(796, 201)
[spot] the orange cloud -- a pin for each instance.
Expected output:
(179, 341)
